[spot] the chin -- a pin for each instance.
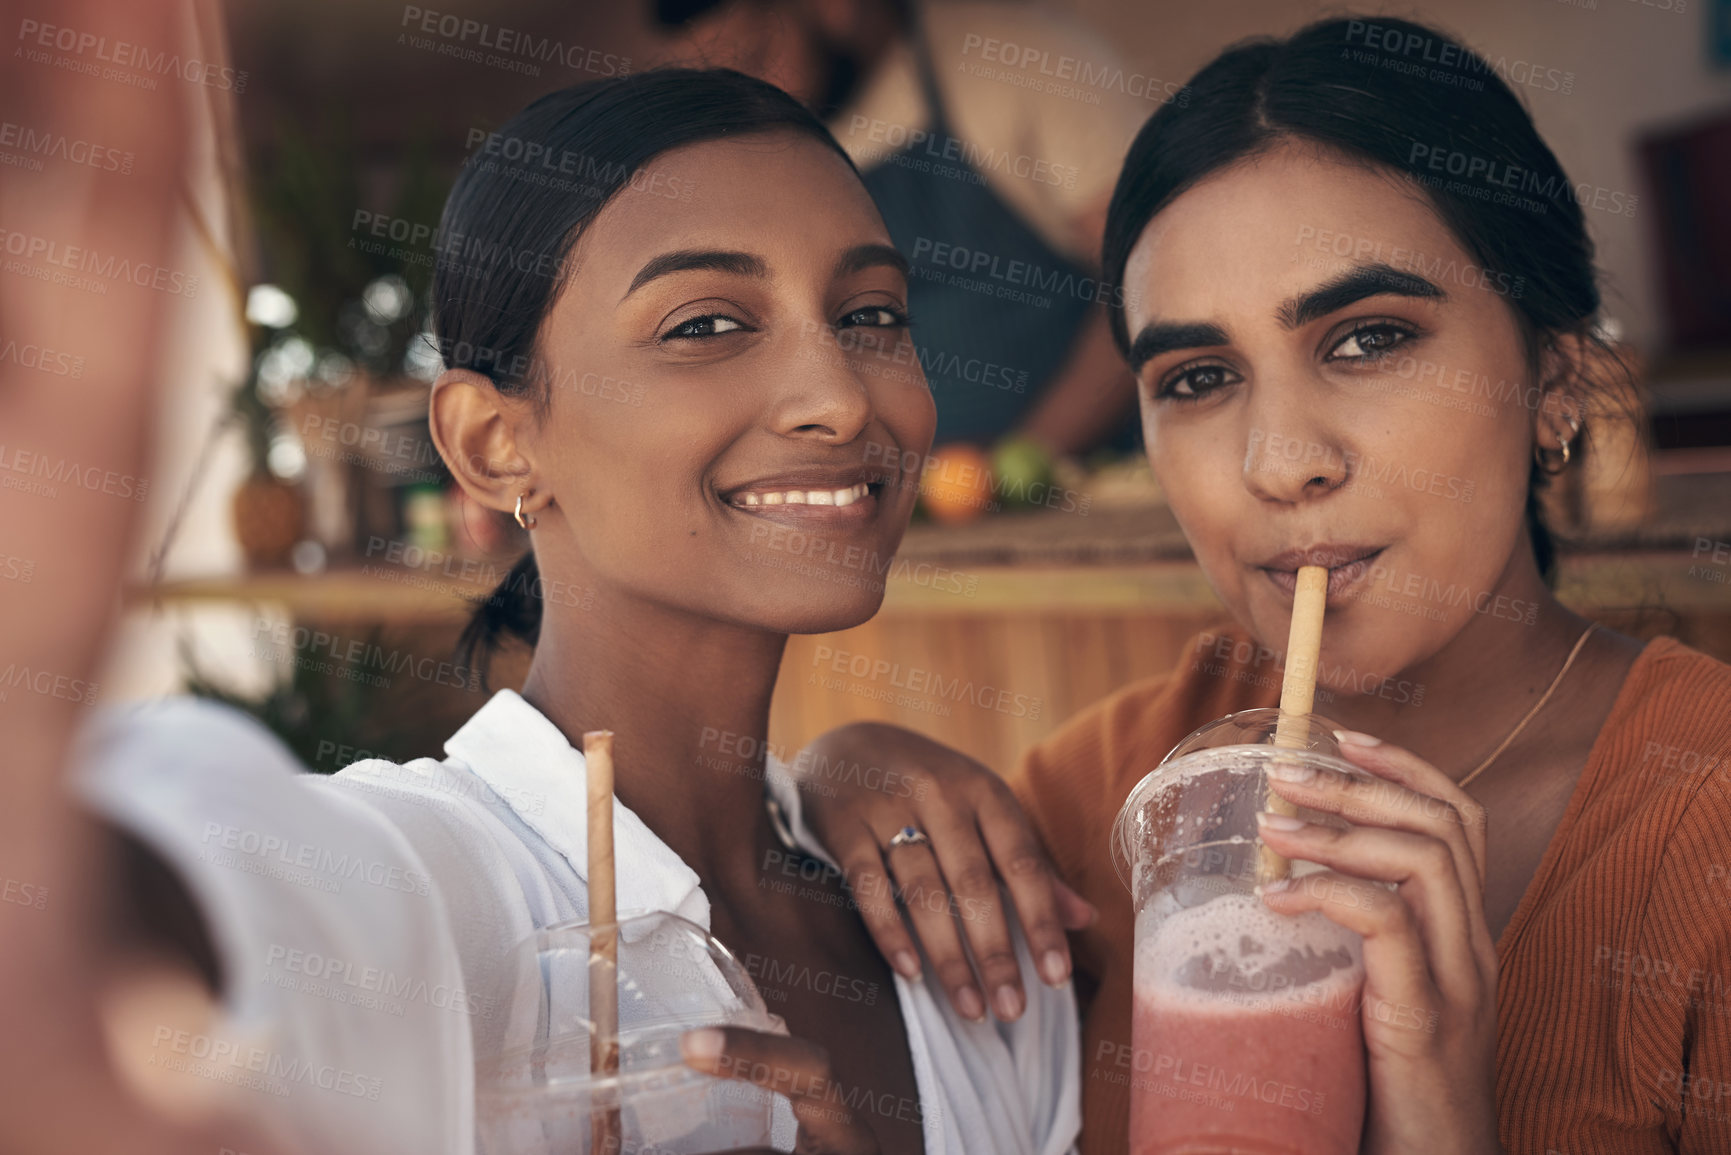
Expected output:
(832, 618)
(1363, 661)
(1364, 648)
(806, 611)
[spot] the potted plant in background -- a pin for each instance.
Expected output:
(337, 364)
(269, 510)
(339, 361)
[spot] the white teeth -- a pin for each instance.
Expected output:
(837, 497)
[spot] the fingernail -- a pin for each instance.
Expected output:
(1354, 738)
(1008, 1003)
(1054, 968)
(1274, 887)
(1286, 771)
(1273, 821)
(907, 965)
(701, 1046)
(969, 1003)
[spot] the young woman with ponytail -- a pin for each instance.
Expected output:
(699, 236)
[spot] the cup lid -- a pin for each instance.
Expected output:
(672, 976)
(1249, 732)
(1257, 728)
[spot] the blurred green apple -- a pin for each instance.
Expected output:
(1023, 471)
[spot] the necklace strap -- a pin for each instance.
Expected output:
(1537, 706)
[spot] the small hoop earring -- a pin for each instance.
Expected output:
(525, 522)
(1574, 429)
(1540, 455)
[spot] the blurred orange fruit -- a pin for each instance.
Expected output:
(956, 484)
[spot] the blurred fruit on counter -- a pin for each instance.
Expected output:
(956, 484)
(1022, 472)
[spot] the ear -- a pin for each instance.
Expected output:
(1565, 372)
(476, 429)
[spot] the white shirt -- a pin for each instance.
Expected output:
(500, 823)
(343, 1020)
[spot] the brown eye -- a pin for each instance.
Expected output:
(1370, 342)
(875, 317)
(1196, 381)
(710, 326)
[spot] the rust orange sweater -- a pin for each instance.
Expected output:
(1614, 999)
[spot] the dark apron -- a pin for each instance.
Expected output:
(995, 309)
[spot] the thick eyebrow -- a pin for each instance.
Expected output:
(862, 257)
(1353, 286)
(684, 260)
(1164, 337)
(1350, 287)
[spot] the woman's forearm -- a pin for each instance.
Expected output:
(1091, 395)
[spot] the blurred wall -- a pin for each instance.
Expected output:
(204, 359)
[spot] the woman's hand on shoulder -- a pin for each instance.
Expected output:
(1430, 988)
(976, 837)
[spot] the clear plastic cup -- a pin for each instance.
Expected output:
(536, 1094)
(1247, 1036)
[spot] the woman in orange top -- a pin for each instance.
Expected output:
(1359, 300)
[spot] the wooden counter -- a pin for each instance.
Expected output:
(993, 633)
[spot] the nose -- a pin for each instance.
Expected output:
(822, 395)
(1291, 457)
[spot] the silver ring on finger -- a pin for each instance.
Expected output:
(907, 836)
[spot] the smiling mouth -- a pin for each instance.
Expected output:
(843, 497)
(796, 501)
(1347, 566)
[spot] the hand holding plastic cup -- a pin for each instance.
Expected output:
(1247, 1035)
(536, 1091)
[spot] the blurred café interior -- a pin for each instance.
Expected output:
(297, 506)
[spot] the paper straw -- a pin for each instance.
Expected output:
(604, 1130)
(1297, 692)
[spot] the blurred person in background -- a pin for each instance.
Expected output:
(989, 134)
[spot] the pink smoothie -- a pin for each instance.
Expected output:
(1247, 1035)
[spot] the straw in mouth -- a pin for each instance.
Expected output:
(1297, 693)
